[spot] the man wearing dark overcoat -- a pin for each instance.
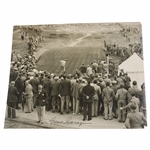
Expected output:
(12, 100)
(88, 92)
(65, 91)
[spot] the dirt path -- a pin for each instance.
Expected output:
(42, 50)
(79, 40)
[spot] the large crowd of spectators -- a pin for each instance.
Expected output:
(89, 91)
(122, 51)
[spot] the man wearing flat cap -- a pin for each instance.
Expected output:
(135, 119)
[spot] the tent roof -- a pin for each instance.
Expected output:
(134, 64)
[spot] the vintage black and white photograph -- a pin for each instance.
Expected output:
(77, 76)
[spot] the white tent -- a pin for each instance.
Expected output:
(135, 68)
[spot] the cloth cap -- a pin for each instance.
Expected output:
(15, 69)
(101, 79)
(80, 79)
(114, 82)
(12, 82)
(56, 78)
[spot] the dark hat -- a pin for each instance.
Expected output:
(143, 86)
(107, 83)
(134, 83)
(95, 81)
(88, 79)
(121, 85)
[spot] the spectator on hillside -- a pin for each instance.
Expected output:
(22, 35)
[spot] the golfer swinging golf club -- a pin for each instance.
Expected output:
(62, 64)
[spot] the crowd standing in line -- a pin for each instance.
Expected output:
(125, 52)
(89, 91)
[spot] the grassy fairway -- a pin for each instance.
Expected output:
(77, 44)
(75, 57)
